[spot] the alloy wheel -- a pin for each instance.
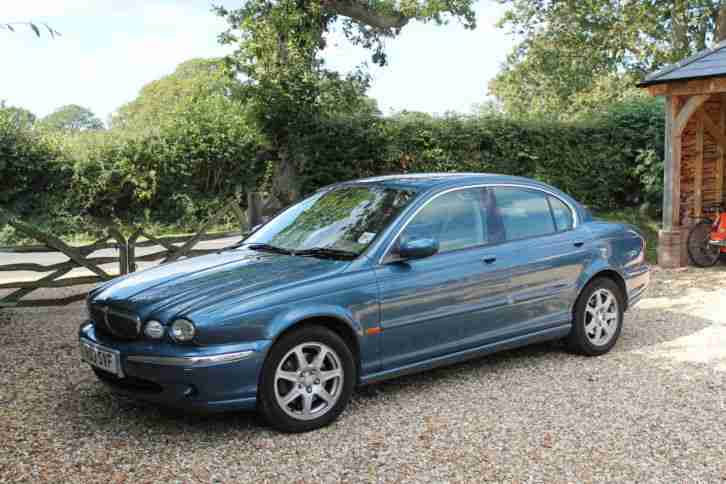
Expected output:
(601, 317)
(308, 381)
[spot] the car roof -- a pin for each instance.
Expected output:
(426, 181)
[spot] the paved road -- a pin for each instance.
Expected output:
(55, 257)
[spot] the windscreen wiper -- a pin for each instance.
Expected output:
(271, 248)
(327, 252)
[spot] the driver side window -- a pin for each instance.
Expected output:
(455, 219)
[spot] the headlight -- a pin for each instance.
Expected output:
(182, 330)
(154, 329)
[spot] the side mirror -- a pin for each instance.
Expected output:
(418, 248)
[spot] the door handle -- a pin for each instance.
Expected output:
(489, 260)
(579, 244)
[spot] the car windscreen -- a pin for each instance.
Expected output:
(346, 218)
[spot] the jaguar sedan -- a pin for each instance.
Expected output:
(363, 281)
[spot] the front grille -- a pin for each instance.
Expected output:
(115, 323)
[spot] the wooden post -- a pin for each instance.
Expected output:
(131, 250)
(254, 209)
(123, 259)
(721, 154)
(671, 240)
(241, 219)
(698, 167)
(676, 166)
(668, 178)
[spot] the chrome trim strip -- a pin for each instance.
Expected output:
(575, 218)
(192, 361)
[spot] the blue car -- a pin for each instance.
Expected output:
(363, 281)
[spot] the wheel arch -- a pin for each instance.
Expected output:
(342, 326)
(608, 273)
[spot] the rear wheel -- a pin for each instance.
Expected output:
(701, 253)
(598, 318)
(307, 380)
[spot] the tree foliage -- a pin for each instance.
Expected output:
(26, 161)
(279, 54)
(182, 146)
(71, 117)
(206, 150)
(574, 54)
(34, 27)
(20, 116)
(195, 80)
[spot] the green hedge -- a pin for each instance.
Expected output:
(178, 171)
(597, 160)
(28, 171)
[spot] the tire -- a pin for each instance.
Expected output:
(700, 252)
(318, 389)
(597, 324)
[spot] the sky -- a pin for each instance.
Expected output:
(109, 49)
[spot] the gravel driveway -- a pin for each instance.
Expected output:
(652, 410)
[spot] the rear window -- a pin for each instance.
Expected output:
(524, 213)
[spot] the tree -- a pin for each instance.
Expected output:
(575, 54)
(71, 117)
(26, 161)
(193, 80)
(36, 28)
(181, 146)
(279, 46)
(20, 116)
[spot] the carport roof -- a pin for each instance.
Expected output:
(703, 65)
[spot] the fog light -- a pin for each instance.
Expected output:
(182, 330)
(154, 329)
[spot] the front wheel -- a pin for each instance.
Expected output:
(598, 318)
(701, 253)
(307, 380)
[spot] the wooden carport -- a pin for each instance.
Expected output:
(695, 144)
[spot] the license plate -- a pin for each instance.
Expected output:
(101, 357)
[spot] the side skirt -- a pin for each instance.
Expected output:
(449, 359)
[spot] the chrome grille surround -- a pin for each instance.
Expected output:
(115, 322)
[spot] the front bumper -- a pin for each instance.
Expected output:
(206, 379)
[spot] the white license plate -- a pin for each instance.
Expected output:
(101, 357)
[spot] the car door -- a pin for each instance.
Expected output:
(446, 302)
(549, 253)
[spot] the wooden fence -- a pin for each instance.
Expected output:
(81, 259)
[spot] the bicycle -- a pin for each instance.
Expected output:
(707, 238)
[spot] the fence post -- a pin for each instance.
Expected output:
(122, 245)
(254, 208)
(131, 250)
(241, 218)
(123, 258)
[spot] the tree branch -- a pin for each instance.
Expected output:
(360, 12)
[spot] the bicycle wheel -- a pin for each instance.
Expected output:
(701, 253)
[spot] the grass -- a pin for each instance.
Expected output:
(647, 225)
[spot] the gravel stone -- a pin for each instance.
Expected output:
(642, 413)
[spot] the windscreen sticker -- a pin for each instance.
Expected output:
(366, 237)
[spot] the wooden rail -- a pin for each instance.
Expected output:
(171, 248)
